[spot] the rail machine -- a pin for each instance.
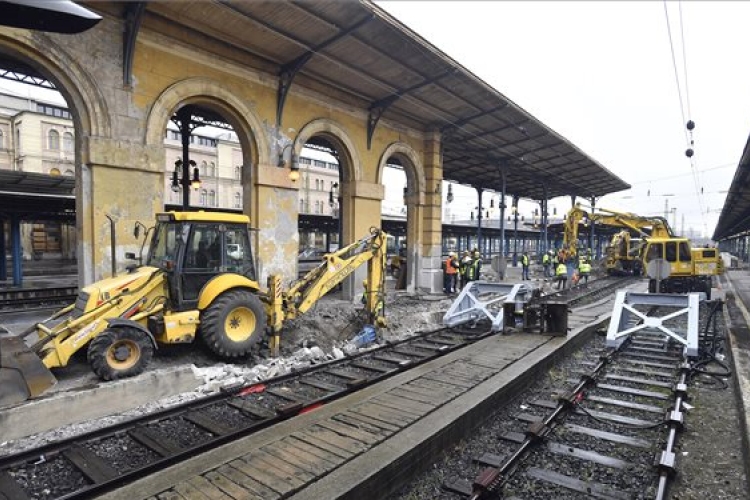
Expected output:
(198, 280)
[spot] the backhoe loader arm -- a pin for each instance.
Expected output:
(336, 267)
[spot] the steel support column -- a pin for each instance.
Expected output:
(515, 230)
(479, 220)
(16, 250)
(502, 215)
(3, 257)
(592, 231)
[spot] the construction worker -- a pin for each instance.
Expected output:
(546, 263)
(475, 267)
(463, 268)
(584, 269)
(561, 275)
(525, 261)
(450, 273)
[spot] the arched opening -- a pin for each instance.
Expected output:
(400, 172)
(37, 141)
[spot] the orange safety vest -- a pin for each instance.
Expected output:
(449, 269)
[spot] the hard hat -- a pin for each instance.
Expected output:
(452, 254)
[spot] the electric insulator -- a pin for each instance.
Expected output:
(690, 125)
(689, 152)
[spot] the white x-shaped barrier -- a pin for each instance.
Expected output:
(482, 299)
(626, 320)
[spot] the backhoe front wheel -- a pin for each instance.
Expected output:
(233, 323)
(120, 353)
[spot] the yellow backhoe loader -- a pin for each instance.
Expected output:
(198, 280)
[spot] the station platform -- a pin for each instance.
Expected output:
(362, 445)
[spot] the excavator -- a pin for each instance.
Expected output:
(691, 269)
(198, 280)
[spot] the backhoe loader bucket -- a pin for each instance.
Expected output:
(22, 374)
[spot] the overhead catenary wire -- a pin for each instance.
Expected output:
(688, 124)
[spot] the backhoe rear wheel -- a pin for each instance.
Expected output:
(120, 353)
(233, 323)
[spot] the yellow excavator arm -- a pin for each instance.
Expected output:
(336, 267)
(659, 228)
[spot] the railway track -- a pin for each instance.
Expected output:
(30, 298)
(99, 461)
(608, 430)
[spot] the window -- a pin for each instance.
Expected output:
(67, 142)
(319, 163)
(204, 196)
(684, 252)
(655, 251)
(18, 140)
(671, 251)
(53, 139)
(212, 198)
(238, 173)
(2, 140)
(237, 200)
(304, 161)
(302, 205)
(212, 170)
(203, 169)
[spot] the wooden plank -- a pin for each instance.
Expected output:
(205, 422)
(316, 451)
(323, 445)
(358, 423)
(387, 427)
(403, 404)
(10, 489)
(204, 486)
(270, 474)
(429, 386)
(663, 366)
(287, 469)
(89, 463)
(343, 442)
(262, 474)
(431, 400)
(284, 393)
(393, 359)
(228, 486)
(383, 413)
(189, 492)
(344, 374)
(253, 410)
(322, 385)
(170, 495)
(299, 458)
(450, 379)
(153, 441)
(350, 432)
(367, 366)
(251, 485)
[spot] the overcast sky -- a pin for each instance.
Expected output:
(601, 75)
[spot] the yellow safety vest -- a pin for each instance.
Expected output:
(562, 269)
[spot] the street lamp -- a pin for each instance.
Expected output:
(186, 181)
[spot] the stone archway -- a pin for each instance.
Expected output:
(91, 121)
(407, 157)
(211, 94)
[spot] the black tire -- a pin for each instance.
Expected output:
(233, 323)
(120, 353)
